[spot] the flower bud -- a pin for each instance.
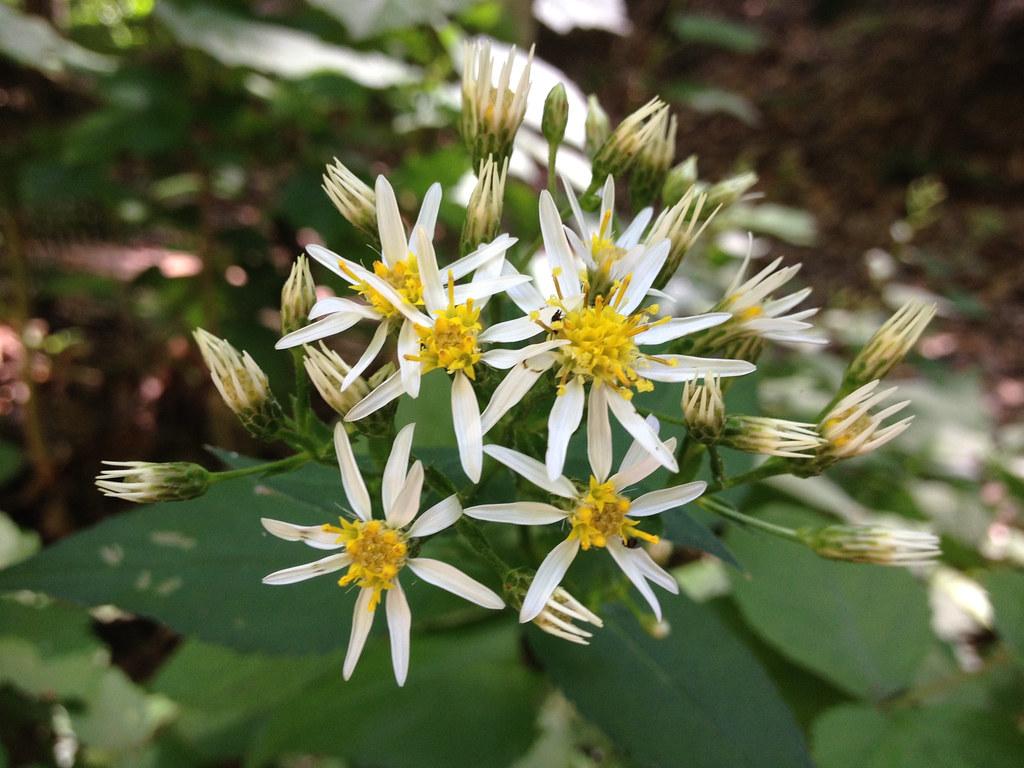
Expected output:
(297, 297)
(556, 115)
(681, 225)
(679, 181)
(327, 370)
(483, 213)
(890, 344)
(381, 375)
(491, 115)
(559, 613)
(771, 437)
(619, 152)
(728, 191)
(704, 409)
(872, 544)
(147, 482)
(353, 199)
(653, 161)
(242, 385)
(596, 127)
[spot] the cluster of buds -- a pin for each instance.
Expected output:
(653, 160)
(890, 344)
(353, 199)
(483, 213)
(771, 437)
(872, 544)
(242, 384)
(619, 152)
(559, 613)
(147, 482)
(681, 226)
(491, 115)
(704, 409)
(327, 371)
(297, 297)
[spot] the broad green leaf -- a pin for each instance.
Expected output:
(863, 627)
(365, 19)
(15, 544)
(696, 697)
(468, 702)
(683, 529)
(946, 736)
(31, 41)
(1006, 589)
(719, 32)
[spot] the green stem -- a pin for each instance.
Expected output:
(302, 413)
(717, 466)
(662, 416)
(471, 534)
(769, 469)
(552, 178)
(271, 467)
(723, 509)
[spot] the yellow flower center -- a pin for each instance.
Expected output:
(750, 313)
(601, 515)
(404, 277)
(377, 551)
(451, 342)
(850, 433)
(603, 248)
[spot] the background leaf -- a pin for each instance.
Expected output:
(1006, 589)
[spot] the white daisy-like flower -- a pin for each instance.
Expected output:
(449, 337)
(376, 551)
(851, 429)
(393, 291)
(599, 515)
(601, 336)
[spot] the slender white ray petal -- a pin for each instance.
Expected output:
(520, 329)
(635, 230)
(312, 535)
(628, 263)
(633, 472)
(678, 327)
(577, 212)
(362, 620)
(667, 498)
(644, 276)
(427, 219)
(333, 304)
(599, 431)
(623, 557)
(320, 329)
(390, 389)
(557, 247)
(636, 452)
(517, 513)
(507, 358)
(437, 518)
(430, 278)
(786, 303)
(482, 255)
(525, 296)
(397, 465)
(407, 502)
(328, 564)
(351, 479)
(675, 368)
(641, 431)
(469, 433)
(482, 289)
(563, 421)
(399, 622)
(388, 292)
(531, 469)
(654, 572)
(547, 579)
(329, 259)
(508, 393)
(393, 247)
(410, 370)
(608, 199)
(453, 580)
(580, 248)
(369, 354)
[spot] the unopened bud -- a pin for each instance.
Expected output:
(596, 127)
(147, 482)
(653, 161)
(771, 437)
(704, 409)
(491, 114)
(890, 344)
(327, 371)
(353, 199)
(556, 115)
(619, 152)
(297, 297)
(728, 191)
(242, 385)
(483, 213)
(872, 544)
(559, 613)
(679, 181)
(381, 375)
(681, 225)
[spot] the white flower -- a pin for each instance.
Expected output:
(449, 338)
(146, 482)
(393, 290)
(876, 544)
(376, 551)
(599, 336)
(600, 515)
(491, 113)
(559, 614)
(891, 343)
(850, 429)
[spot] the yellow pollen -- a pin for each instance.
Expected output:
(850, 433)
(601, 515)
(750, 313)
(377, 551)
(451, 343)
(404, 277)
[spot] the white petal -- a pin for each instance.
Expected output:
(455, 581)
(625, 559)
(328, 564)
(507, 358)
(599, 432)
(636, 469)
(482, 289)
(397, 465)
(532, 470)
(557, 247)
(635, 230)
(437, 518)
(407, 502)
(482, 255)
(351, 479)
(548, 577)
(389, 224)
(582, 251)
(675, 368)
(525, 296)
(517, 513)
(369, 354)
(577, 212)
(564, 420)
(411, 370)
(389, 294)
(643, 276)
(390, 389)
(667, 498)
(321, 329)
(427, 220)
(430, 278)
(608, 200)
(653, 572)
(362, 620)
(519, 329)
(641, 431)
(329, 259)
(332, 304)
(680, 326)
(313, 535)
(508, 394)
(469, 433)
(399, 623)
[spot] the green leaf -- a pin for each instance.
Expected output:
(15, 544)
(1006, 589)
(945, 736)
(722, 33)
(468, 702)
(365, 19)
(683, 529)
(696, 697)
(863, 627)
(29, 40)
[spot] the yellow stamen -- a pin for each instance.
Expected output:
(602, 515)
(404, 277)
(451, 342)
(378, 553)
